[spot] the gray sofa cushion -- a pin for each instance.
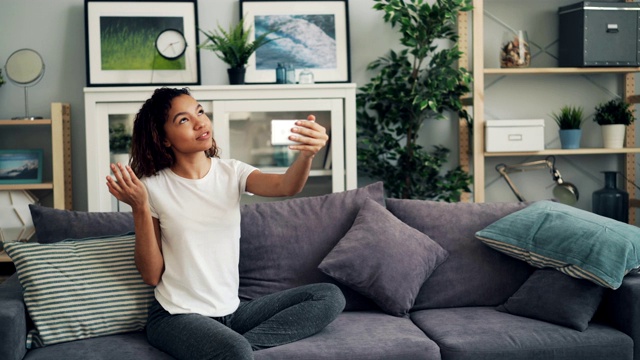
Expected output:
(474, 274)
(283, 242)
(552, 296)
(131, 346)
(360, 335)
(481, 333)
(384, 259)
(53, 225)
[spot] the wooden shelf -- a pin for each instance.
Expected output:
(60, 125)
(471, 28)
(40, 186)
(581, 151)
(560, 70)
(26, 122)
(4, 258)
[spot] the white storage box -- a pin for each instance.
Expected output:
(514, 135)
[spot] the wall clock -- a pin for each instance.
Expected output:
(171, 44)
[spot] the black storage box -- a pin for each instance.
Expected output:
(599, 34)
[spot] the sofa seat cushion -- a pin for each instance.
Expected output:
(479, 333)
(365, 335)
(474, 274)
(130, 346)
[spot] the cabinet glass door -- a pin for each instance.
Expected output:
(242, 129)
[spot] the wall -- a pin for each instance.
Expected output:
(56, 30)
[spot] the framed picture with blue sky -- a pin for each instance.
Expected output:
(141, 42)
(21, 166)
(310, 35)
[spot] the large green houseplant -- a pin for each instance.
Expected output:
(420, 82)
(234, 47)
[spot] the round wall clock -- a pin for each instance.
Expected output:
(171, 44)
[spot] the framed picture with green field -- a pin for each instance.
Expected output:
(141, 42)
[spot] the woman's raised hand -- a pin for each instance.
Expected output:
(126, 186)
(310, 135)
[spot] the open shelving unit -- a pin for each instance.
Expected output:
(60, 184)
(471, 29)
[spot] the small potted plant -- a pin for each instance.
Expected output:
(234, 48)
(613, 117)
(569, 121)
(119, 143)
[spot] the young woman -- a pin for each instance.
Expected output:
(186, 208)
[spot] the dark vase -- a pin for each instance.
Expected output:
(611, 201)
(236, 75)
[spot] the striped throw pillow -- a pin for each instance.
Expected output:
(573, 241)
(78, 289)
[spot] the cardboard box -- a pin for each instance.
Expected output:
(514, 135)
(599, 34)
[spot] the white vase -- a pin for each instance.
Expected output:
(613, 136)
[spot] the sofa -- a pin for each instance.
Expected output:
(418, 283)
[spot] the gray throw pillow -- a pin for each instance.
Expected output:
(554, 297)
(384, 259)
(53, 225)
(283, 242)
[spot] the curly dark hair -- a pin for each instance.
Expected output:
(148, 153)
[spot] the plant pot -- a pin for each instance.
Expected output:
(570, 138)
(122, 158)
(613, 136)
(236, 76)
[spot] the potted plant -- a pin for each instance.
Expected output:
(417, 83)
(119, 143)
(234, 48)
(569, 121)
(613, 117)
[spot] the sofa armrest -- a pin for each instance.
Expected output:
(13, 320)
(621, 309)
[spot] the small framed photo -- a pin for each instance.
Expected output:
(311, 35)
(20, 166)
(141, 42)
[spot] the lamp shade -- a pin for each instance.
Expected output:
(15, 218)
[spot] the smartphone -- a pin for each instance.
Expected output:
(281, 130)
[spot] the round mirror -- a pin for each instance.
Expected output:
(24, 67)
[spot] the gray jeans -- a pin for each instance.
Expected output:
(271, 320)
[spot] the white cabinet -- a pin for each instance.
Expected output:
(241, 117)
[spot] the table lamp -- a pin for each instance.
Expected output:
(564, 192)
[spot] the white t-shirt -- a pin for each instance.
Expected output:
(200, 233)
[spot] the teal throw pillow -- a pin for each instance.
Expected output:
(81, 289)
(576, 242)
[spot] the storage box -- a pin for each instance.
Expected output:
(514, 135)
(599, 34)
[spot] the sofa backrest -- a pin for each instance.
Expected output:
(282, 243)
(474, 274)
